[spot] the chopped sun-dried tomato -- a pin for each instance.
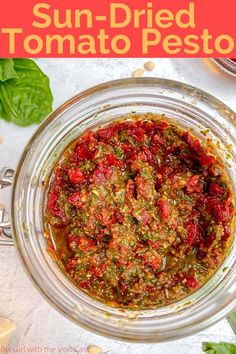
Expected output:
(220, 210)
(76, 175)
(215, 189)
(194, 235)
(206, 160)
(164, 208)
(75, 199)
(114, 161)
(83, 152)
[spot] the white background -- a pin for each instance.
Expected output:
(38, 324)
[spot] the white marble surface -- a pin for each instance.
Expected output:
(38, 324)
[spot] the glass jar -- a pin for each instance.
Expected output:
(226, 64)
(183, 104)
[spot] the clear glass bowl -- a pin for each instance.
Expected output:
(188, 107)
(226, 64)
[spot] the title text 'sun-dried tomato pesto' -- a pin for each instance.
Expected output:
(140, 212)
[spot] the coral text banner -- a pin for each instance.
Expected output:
(122, 28)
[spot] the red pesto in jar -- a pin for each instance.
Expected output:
(140, 212)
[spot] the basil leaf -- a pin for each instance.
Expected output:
(7, 70)
(219, 348)
(232, 320)
(26, 99)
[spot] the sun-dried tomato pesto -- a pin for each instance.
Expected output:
(140, 212)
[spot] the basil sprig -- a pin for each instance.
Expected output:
(25, 94)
